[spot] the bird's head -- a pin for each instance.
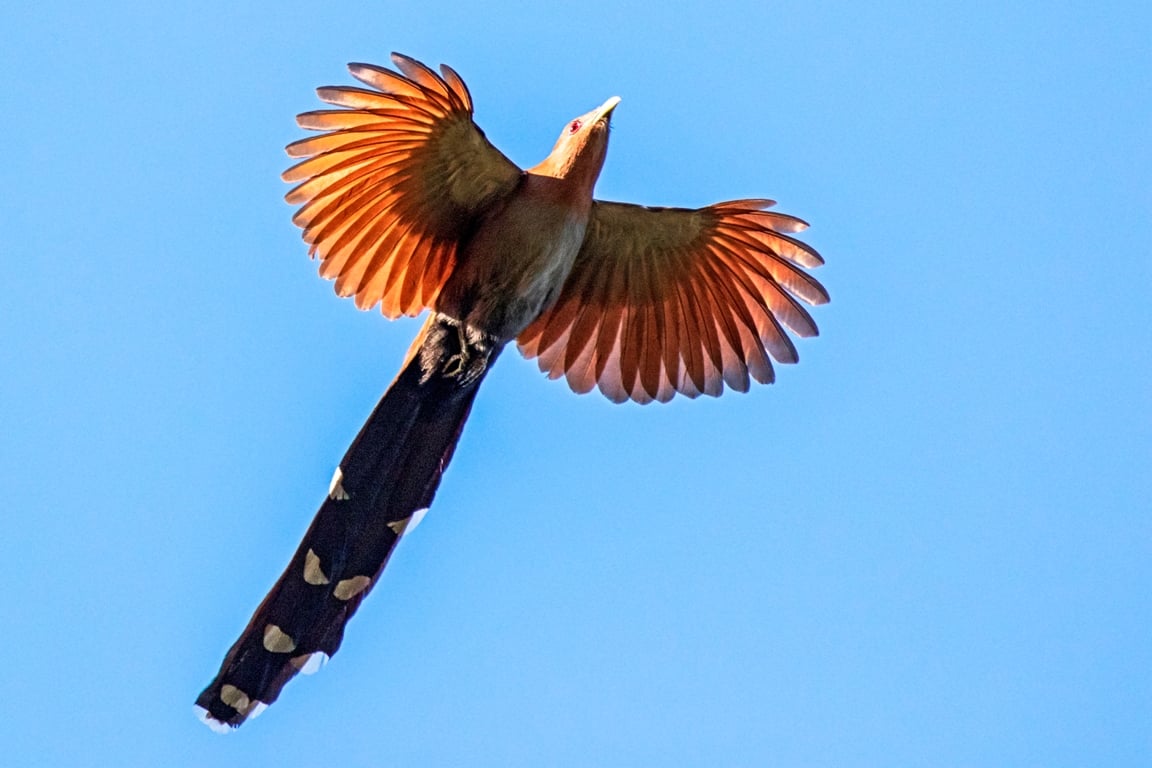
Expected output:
(579, 152)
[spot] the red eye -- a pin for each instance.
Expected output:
(575, 126)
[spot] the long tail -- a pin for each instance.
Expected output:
(386, 481)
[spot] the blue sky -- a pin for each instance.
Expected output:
(927, 544)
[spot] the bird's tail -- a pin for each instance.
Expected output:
(384, 484)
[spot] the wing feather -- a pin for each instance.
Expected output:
(397, 178)
(666, 330)
(706, 325)
(667, 300)
(724, 295)
(692, 379)
(633, 331)
(773, 295)
(462, 98)
(751, 307)
(425, 78)
(386, 81)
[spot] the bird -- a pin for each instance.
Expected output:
(408, 206)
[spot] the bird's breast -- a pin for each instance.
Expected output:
(513, 267)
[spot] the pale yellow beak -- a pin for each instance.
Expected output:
(606, 108)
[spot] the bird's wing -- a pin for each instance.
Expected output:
(667, 300)
(396, 179)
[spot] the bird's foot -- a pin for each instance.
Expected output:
(456, 365)
(457, 351)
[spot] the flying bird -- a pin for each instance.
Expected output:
(408, 206)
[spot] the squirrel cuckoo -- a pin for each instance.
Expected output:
(409, 206)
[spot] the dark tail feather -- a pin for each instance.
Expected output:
(385, 482)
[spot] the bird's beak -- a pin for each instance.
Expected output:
(606, 108)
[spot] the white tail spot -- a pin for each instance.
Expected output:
(216, 725)
(414, 521)
(310, 663)
(336, 490)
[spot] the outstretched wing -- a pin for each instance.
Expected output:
(667, 300)
(398, 177)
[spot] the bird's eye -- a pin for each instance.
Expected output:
(575, 126)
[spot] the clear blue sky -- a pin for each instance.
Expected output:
(929, 544)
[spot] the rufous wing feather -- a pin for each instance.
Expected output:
(667, 300)
(399, 177)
